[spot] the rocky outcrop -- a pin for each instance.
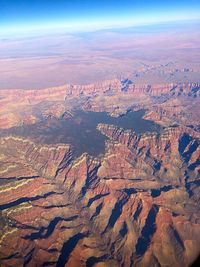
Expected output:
(134, 206)
(20, 107)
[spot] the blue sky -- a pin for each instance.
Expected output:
(88, 14)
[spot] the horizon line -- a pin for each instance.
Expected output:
(81, 27)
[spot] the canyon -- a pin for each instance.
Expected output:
(133, 203)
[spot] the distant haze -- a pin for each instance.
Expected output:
(48, 60)
(24, 16)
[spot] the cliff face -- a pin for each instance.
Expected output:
(127, 86)
(115, 96)
(134, 206)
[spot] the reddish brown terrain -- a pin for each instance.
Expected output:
(135, 204)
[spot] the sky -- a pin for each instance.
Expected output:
(27, 15)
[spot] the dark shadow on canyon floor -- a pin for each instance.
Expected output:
(80, 130)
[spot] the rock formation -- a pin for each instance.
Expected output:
(135, 205)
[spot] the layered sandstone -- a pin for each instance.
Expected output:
(20, 107)
(134, 206)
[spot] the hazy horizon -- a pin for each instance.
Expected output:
(48, 59)
(20, 16)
